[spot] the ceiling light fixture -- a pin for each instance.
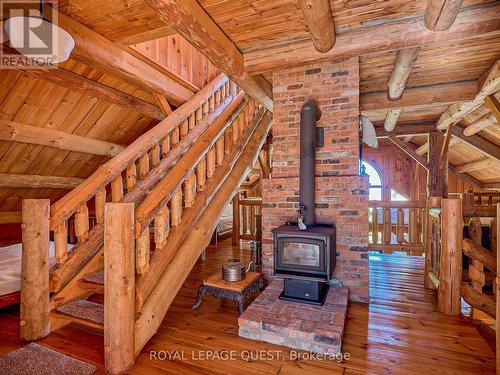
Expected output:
(39, 39)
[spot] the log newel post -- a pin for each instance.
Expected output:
(450, 275)
(119, 286)
(35, 308)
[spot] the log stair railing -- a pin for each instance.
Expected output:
(447, 251)
(162, 192)
(129, 176)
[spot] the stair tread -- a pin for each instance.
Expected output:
(83, 309)
(94, 278)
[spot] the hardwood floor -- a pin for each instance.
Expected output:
(398, 333)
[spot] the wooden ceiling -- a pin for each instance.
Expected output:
(30, 98)
(261, 35)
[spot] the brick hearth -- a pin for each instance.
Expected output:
(318, 329)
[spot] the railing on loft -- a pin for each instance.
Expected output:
(397, 226)
(464, 268)
(246, 218)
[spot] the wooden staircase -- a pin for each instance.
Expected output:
(156, 205)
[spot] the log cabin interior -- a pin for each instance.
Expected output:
(250, 187)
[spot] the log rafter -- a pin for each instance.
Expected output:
(319, 20)
(16, 132)
(104, 55)
(456, 112)
(15, 180)
(403, 33)
(440, 14)
(190, 20)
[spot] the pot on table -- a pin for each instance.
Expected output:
(234, 270)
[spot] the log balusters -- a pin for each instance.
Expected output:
(75, 215)
(394, 226)
(162, 212)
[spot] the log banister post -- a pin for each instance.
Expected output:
(119, 287)
(35, 307)
(450, 275)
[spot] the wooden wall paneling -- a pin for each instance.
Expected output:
(175, 54)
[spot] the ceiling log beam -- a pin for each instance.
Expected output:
(84, 85)
(319, 21)
(420, 97)
(481, 124)
(476, 165)
(100, 53)
(440, 14)
(190, 20)
(481, 144)
(16, 132)
(458, 111)
(494, 106)
(401, 72)
(391, 119)
(376, 37)
(13, 180)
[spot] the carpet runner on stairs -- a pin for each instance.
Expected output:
(83, 311)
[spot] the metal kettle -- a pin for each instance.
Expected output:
(234, 270)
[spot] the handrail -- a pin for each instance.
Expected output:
(132, 173)
(478, 253)
(165, 189)
(66, 206)
(202, 170)
(479, 211)
(397, 204)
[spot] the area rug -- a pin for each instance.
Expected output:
(34, 359)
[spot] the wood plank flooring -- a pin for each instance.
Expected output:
(398, 333)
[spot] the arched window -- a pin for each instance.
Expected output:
(374, 180)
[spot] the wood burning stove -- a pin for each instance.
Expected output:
(305, 252)
(306, 260)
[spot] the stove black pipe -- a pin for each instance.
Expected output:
(309, 114)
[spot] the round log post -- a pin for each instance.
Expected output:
(450, 275)
(35, 307)
(119, 287)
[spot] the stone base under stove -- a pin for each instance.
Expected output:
(317, 329)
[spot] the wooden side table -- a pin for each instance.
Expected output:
(238, 291)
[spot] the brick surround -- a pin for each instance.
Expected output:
(317, 329)
(341, 194)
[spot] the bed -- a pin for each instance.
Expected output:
(224, 227)
(10, 272)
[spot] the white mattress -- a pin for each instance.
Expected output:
(10, 267)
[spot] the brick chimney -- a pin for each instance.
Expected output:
(341, 194)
